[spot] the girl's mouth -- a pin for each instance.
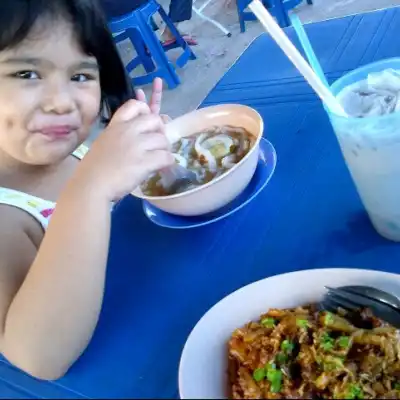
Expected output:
(57, 131)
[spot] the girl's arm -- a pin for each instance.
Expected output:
(48, 314)
(52, 317)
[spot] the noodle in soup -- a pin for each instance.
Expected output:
(208, 154)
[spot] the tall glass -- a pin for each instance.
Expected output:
(371, 149)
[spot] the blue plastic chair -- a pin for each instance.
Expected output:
(137, 26)
(278, 8)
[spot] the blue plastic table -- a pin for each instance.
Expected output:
(160, 281)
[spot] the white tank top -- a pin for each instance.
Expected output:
(38, 208)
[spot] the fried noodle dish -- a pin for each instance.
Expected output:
(304, 353)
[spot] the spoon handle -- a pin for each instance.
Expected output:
(374, 294)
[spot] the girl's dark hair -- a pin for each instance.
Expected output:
(17, 17)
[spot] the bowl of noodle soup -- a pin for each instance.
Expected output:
(220, 144)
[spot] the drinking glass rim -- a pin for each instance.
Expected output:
(367, 67)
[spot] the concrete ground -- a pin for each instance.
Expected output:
(216, 52)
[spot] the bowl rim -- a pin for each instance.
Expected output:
(226, 173)
(238, 292)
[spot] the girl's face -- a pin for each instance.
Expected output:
(49, 95)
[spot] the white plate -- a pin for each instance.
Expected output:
(203, 366)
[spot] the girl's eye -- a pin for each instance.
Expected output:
(26, 75)
(82, 78)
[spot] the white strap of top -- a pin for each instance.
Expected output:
(36, 207)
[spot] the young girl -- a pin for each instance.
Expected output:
(59, 70)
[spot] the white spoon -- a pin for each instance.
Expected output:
(176, 176)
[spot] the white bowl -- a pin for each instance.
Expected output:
(203, 366)
(224, 189)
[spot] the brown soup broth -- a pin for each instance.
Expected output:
(209, 154)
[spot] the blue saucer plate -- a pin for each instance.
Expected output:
(265, 170)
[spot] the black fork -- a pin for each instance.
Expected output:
(352, 301)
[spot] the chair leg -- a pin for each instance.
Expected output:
(165, 69)
(241, 7)
(187, 53)
(147, 61)
(242, 23)
(211, 21)
(141, 50)
(179, 39)
(281, 13)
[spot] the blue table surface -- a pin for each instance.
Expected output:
(160, 281)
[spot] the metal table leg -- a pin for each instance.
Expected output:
(199, 12)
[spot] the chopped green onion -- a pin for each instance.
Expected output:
(281, 358)
(274, 376)
(302, 323)
(259, 374)
(287, 346)
(354, 392)
(328, 319)
(343, 341)
(276, 385)
(327, 343)
(268, 322)
(327, 346)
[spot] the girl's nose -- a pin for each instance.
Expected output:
(58, 99)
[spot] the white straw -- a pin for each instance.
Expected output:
(295, 57)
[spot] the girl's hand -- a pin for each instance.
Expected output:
(155, 100)
(131, 147)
